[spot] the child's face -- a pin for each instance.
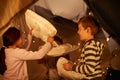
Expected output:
(19, 42)
(83, 33)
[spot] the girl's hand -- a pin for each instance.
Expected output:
(50, 39)
(30, 31)
(68, 66)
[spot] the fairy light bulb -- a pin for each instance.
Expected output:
(33, 41)
(78, 44)
(24, 32)
(107, 39)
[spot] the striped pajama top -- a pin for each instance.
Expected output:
(90, 59)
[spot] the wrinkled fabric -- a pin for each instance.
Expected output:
(41, 27)
(62, 50)
(70, 9)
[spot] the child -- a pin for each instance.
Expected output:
(15, 58)
(88, 65)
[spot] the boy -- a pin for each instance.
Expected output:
(88, 64)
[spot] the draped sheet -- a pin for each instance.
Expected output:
(69, 9)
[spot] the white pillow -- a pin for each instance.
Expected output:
(41, 27)
(67, 74)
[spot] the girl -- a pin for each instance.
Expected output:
(15, 58)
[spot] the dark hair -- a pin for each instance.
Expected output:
(58, 39)
(9, 38)
(89, 21)
(2, 61)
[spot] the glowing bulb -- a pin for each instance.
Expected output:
(33, 41)
(107, 39)
(78, 44)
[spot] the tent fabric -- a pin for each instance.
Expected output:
(9, 8)
(107, 12)
(69, 9)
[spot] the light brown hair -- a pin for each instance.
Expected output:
(89, 21)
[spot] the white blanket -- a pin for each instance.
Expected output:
(41, 27)
(62, 50)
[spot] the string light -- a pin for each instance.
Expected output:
(78, 44)
(33, 41)
(79, 49)
(110, 74)
(108, 38)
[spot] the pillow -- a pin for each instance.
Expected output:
(41, 27)
(67, 74)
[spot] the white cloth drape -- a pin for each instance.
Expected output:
(70, 9)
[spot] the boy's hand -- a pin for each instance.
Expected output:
(50, 39)
(68, 66)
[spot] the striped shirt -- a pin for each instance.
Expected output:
(90, 59)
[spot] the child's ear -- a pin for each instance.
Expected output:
(89, 30)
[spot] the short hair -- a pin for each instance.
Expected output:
(89, 21)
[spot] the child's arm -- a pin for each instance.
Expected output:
(91, 59)
(69, 66)
(29, 39)
(83, 66)
(23, 54)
